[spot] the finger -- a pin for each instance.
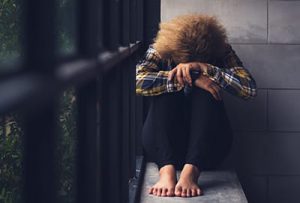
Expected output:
(184, 75)
(217, 90)
(179, 76)
(172, 73)
(219, 93)
(214, 94)
(188, 75)
(191, 66)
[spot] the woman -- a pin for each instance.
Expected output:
(184, 72)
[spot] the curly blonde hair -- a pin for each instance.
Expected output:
(191, 37)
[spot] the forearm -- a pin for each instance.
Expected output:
(151, 78)
(155, 83)
(236, 80)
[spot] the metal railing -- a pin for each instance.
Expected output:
(111, 38)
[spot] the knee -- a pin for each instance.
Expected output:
(202, 95)
(201, 92)
(170, 100)
(166, 97)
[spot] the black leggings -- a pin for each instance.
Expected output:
(192, 129)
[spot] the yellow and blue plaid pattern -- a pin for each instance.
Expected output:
(152, 76)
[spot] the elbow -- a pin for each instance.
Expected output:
(138, 92)
(251, 95)
(139, 89)
(251, 91)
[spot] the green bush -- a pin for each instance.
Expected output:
(66, 147)
(11, 149)
(10, 159)
(11, 135)
(10, 27)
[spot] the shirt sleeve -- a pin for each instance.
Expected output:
(150, 79)
(233, 77)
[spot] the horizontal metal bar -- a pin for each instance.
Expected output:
(82, 70)
(27, 90)
(110, 59)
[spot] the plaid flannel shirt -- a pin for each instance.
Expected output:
(152, 76)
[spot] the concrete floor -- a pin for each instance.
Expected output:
(218, 187)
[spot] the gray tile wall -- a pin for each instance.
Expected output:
(266, 36)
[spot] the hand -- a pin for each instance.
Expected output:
(182, 72)
(207, 84)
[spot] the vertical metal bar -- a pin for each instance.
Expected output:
(140, 19)
(100, 27)
(131, 73)
(111, 24)
(139, 125)
(39, 40)
(88, 144)
(88, 179)
(151, 19)
(139, 100)
(111, 136)
(133, 20)
(40, 178)
(39, 124)
(125, 23)
(89, 23)
(126, 129)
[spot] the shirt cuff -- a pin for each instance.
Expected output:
(173, 85)
(213, 72)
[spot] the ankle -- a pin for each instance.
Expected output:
(191, 168)
(167, 168)
(190, 171)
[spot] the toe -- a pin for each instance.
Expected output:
(184, 191)
(154, 191)
(164, 192)
(189, 193)
(194, 192)
(178, 191)
(199, 192)
(170, 192)
(159, 191)
(151, 190)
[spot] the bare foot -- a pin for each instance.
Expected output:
(166, 184)
(187, 185)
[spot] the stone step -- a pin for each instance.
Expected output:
(218, 187)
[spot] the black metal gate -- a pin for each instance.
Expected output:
(110, 37)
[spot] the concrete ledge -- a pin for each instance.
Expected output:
(218, 187)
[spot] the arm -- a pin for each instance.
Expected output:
(234, 78)
(150, 79)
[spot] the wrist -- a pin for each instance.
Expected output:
(203, 67)
(209, 70)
